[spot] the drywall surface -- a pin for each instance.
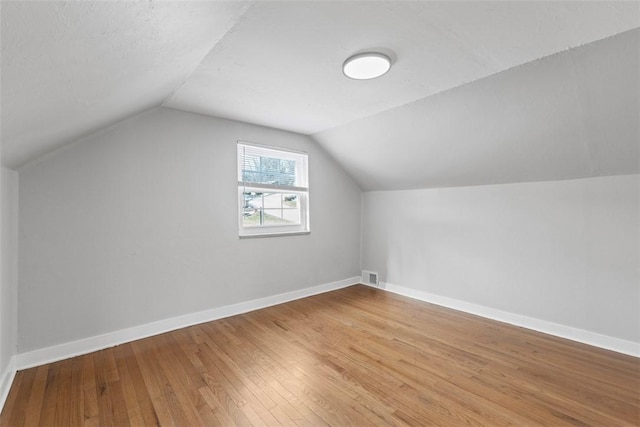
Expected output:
(572, 115)
(434, 45)
(8, 266)
(139, 223)
(71, 67)
(563, 251)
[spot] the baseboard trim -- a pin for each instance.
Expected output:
(91, 344)
(568, 332)
(6, 380)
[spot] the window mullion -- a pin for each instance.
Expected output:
(273, 192)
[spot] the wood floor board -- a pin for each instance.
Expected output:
(356, 356)
(22, 388)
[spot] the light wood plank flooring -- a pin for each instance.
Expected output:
(357, 356)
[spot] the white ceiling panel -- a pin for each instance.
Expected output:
(570, 115)
(479, 92)
(69, 68)
(281, 64)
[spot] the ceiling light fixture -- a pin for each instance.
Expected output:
(364, 66)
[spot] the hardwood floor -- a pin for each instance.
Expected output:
(357, 356)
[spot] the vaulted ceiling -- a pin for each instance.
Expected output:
(479, 92)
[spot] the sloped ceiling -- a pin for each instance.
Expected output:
(281, 64)
(70, 68)
(570, 115)
(480, 92)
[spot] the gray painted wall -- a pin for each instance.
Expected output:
(139, 223)
(8, 266)
(562, 251)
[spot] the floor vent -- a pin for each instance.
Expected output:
(370, 278)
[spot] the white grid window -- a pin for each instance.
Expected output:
(273, 191)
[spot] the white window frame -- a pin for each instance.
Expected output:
(302, 177)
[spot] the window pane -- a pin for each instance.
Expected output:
(270, 209)
(251, 209)
(268, 170)
(273, 186)
(252, 200)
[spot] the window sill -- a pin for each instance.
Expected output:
(285, 234)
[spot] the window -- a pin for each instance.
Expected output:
(273, 191)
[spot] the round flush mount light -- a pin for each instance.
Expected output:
(364, 66)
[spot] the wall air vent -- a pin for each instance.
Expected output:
(370, 278)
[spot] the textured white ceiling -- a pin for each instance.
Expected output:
(570, 115)
(281, 64)
(446, 114)
(70, 68)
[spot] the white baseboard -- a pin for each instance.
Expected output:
(91, 344)
(591, 338)
(6, 380)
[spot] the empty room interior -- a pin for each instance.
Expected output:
(320, 213)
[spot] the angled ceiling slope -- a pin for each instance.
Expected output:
(71, 68)
(281, 64)
(571, 115)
